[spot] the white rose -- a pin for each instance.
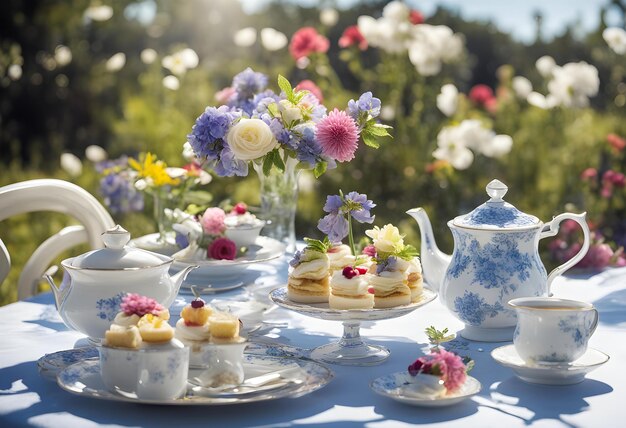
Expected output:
(386, 240)
(289, 111)
(251, 139)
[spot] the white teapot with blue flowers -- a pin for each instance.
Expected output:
(495, 259)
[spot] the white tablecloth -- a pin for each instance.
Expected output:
(32, 328)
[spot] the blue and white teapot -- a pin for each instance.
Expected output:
(495, 259)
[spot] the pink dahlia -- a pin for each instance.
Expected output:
(140, 305)
(306, 41)
(222, 249)
(338, 135)
(213, 221)
(309, 85)
(352, 36)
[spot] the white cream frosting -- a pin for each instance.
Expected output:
(340, 256)
(415, 266)
(192, 332)
(125, 320)
(388, 283)
(355, 286)
(241, 220)
(402, 265)
(315, 269)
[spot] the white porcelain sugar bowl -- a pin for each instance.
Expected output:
(98, 280)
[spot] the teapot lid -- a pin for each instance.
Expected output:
(496, 213)
(117, 255)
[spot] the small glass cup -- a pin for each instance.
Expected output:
(222, 364)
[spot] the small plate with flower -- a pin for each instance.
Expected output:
(396, 386)
(264, 249)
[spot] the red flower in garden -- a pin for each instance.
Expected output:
(482, 95)
(589, 174)
(617, 142)
(416, 17)
(222, 249)
(306, 41)
(352, 36)
(309, 85)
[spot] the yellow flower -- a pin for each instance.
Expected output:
(153, 171)
(386, 240)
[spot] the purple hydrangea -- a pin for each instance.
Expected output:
(227, 165)
(309, 150)
(248, 83)
(364, 106)
(208, 133)
(120, 195)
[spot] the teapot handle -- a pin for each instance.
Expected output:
(552, 228)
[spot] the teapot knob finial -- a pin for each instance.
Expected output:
(116, 237)
(496, 190)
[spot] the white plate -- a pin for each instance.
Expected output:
(83, 378)
(264, 249)
(323, 311)
(562, 374)
(392, 385)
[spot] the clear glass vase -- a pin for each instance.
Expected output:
(162, 200)
(279, 201)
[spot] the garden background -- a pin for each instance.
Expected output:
(77, 74)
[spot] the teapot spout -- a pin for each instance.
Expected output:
(59, 292)
(434, 261)
(178, 278)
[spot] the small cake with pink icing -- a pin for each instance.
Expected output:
(349, 289)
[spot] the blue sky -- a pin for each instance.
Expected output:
(513, 16)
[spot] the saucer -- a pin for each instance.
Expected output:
(553, 374)
(51, 364)
(392, 386)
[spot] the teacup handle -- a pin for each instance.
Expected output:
(552, 228)
(595, 321)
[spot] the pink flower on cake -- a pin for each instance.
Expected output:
(306, 41)
(213, 221)
(222, 249)
(140, 305)
(369, 250)
(338, 135)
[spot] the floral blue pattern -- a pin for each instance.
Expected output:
(106, 309)
(497, 214)
(473, 309)
(569, 325)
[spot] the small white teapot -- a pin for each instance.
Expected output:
(98, 280)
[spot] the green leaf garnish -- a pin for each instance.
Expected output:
(320, 168)
(369, 139)
(379, 130)
(408, 252)
(317, 245)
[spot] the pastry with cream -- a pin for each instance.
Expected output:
(308, 280)
(349, 289)
(414, 278)
(193, 328)
(339, 256)
(390, 283)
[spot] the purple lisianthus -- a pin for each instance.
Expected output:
(360, 207)
(337, 224)
(364, 106)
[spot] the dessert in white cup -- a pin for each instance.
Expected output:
(551, 330)
(144, 359)
(242, 227)
(214, 343)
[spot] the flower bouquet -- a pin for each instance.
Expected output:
(275, 132)
(437, 374)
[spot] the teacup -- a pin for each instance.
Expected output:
(551, 330)
(222, 363)
(152, 372)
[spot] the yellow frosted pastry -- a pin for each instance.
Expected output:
(121, 336)
(196, 313)
(155, 329)
(224, 326)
